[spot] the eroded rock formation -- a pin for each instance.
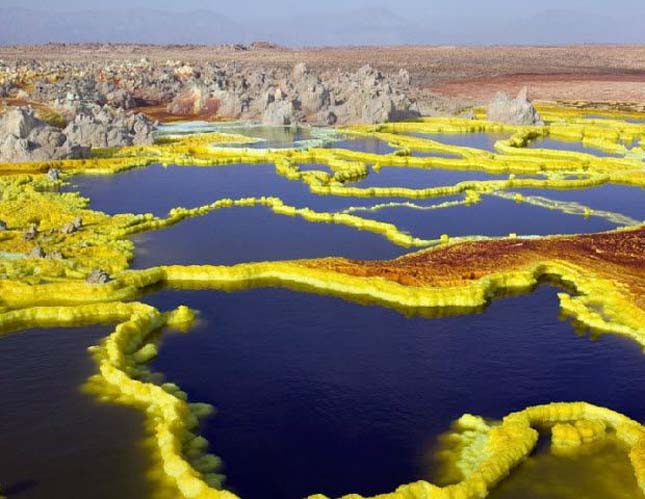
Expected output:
(518, 111)
(272, 95)
(99, 127)
(24, 137)
(279, 98)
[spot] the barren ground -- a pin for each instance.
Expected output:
(582, 72)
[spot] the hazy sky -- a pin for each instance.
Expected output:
(328, 22)
(280, 7)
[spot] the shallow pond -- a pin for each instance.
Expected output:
(273, 137)
(561, 145)
(57, 442)
(420, 178)
(601, 117)
(478, 140)
(191, 186)
(628, 201)
(501, 216)
(367, 144)
(234, 235)
(318, 394)
(238, 235)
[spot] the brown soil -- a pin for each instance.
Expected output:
(161, 114)
(617, 255)
(623, 87)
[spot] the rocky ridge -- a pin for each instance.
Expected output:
(272, 95)
(96, 105)
(300, 96)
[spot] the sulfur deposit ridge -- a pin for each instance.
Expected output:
(604, 273)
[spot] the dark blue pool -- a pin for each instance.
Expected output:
(318, 394)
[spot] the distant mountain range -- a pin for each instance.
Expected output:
(566, 26)
(374, 26)
(367, 26)
(19, 26)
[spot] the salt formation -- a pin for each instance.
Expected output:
(518, 111)
(101, 127)
(216, 91)
(24, 137)
(300, 96)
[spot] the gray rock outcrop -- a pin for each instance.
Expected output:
(73, 226)
(101, 127)
(277, 97)
(82, 91)
(518, 111)
(279, 113)
(24, 138)
(313, 95)
(98, 276)
(36, 252)
(368, 96)
(53, 174)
